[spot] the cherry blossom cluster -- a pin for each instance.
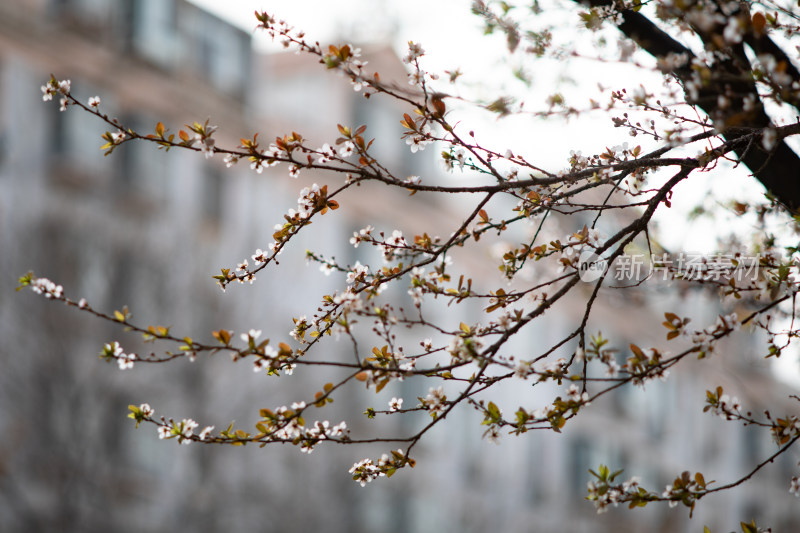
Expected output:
(385, 365)
(348, 301)
(307, 202)
(203, 135)
(455, 157)
(169, 429)
(394, 244)
(419, 134)
(607, 357)
(723, 405)
(358, 274)
(553, 370)
(706, 339)
(345, 59)
(183, 430)
(366, 470)
(574, 394)
(287, 424)
(417, 77)
(604, 495)
(420, 283)
(786, 429)
(53, 87)
(685, 489)
(113, 351)
(647, 364)
(464, 348)
(364, 234)
(301, 325)
(392, 247)
(435, 402)
(47, 288)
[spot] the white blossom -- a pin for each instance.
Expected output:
(414, 52)
(395, 404)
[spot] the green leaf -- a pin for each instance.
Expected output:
(749, 528)
(494, 411)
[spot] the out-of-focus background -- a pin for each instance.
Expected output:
(147, 229)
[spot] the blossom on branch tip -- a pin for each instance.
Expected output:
(347, 149)
(358, 273)
(48, 91)
(186, 430)
(414, 51)
(47, 288)
(113, 349)
(493, 435)
(52, 87)
(435, 401)
(260, 257)
(392, 244)
(146, 410)
(418, 141)
(574, 393)
(359, 83)
(164, 432)
(349, 300)
(251, 335)
(360, 235)
(125, 360)
(395, 404)
(523, 369)
(325, 154)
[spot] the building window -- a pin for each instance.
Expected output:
(218, 51)
(154, 31)
(582, 455)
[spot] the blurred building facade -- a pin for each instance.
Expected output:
(147, 229)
